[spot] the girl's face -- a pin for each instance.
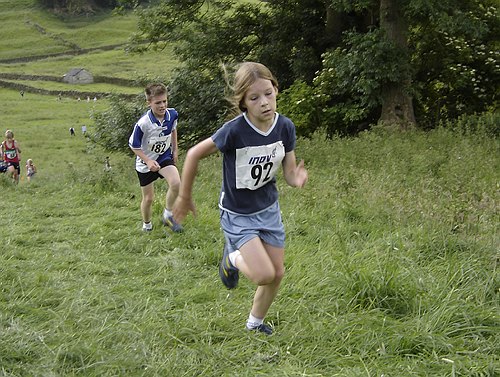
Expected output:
(158, 105)
(260, 102)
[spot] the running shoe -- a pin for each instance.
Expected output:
(227, 272)
(171, 223)
(262, 328)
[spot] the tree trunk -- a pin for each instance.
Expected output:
(397, 104)
(334, 26)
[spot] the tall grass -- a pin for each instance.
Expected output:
(392, 258)
(392, 249)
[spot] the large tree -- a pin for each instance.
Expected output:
(397, 103)
(342, 65)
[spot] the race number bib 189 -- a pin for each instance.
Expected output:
(255, 166)
(159, 144)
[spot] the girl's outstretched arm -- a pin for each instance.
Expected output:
(174, 146)
(184, 202)
(295, 175)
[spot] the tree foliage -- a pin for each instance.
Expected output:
(113, 126)
(197, 97)
(456, 61)
(332, 58)
(352, 78)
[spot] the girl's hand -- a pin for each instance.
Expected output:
(295, 174)
(182, 206)
(301, 176)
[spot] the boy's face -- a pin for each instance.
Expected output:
(158, 105)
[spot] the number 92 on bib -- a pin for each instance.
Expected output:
(256, 166)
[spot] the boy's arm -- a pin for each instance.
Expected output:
(152, 164)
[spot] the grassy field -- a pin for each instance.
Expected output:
(115, 63)
(392, 258)
(27, 31)
(25, 27)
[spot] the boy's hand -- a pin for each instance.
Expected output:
(153, 165)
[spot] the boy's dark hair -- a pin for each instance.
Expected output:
(155, 89)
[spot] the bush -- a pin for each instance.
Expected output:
(487, 124)
(300, 104)
(114, 125)
(198, 95)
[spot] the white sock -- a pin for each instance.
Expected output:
(232, 257)
(254, 322)
(167, 213)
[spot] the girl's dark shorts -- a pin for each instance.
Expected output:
(151, 176)
(16, 166)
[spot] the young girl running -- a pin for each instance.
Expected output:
(30, 169)
(254, 144)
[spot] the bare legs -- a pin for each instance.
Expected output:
(171, 175)
(263, 264)
(173, 179)
(147, 202)
(13, 173)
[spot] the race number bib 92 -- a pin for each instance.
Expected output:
(256, 166)
(159, 144)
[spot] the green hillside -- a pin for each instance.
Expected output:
(30, 31)
(392, 251)
(37, 42)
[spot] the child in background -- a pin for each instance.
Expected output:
(107, 164)
(12, 155)
(154, 141)
(30, 169)
(254, 145)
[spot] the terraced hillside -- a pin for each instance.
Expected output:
(37, 48)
